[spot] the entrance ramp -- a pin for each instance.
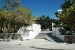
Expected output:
(42, 34)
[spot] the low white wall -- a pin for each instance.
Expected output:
(29, 32)
(56, 33)
(61, 37)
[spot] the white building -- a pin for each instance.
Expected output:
(58, 14)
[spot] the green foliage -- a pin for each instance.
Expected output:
(11, 4)
(62, 31)
(66, 4)
(45, 22)
(13, 16)
(25, 14)
(68, 14)
(43, 17)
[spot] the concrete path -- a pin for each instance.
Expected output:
(35, 44)
(48, 36)
(44, 41)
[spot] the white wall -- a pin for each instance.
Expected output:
(29, 32)
(53, 29)
(56, 33)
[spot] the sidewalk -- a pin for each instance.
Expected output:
(44, 41)
(35, 44)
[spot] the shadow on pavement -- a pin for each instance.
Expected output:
(53, 38)
(48, 36)
(45, 48)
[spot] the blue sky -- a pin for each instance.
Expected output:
(42, 7)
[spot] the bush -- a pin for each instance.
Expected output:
(62, 31)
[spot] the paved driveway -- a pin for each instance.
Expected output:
(39, 43)
(35, 44)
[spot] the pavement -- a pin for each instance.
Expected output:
(47, 35)
(35, 44)
(43, 41)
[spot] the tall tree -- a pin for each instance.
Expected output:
(25, 15)
(14, 15)
(45, 22)
(66, 4)
(11, 4)
(68, 16)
